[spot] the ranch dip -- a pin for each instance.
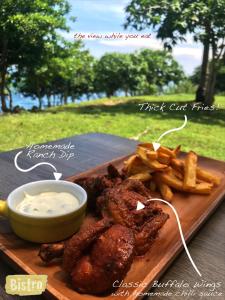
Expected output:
(48, 204)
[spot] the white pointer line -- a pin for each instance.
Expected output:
(174, 129)
(181, 232)
(57, 175)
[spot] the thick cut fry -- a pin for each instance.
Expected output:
(171, 181)
(151, 155)
(207, 176)
(134, 165)
(148, 146)
(176, 151)
(166, 173)
(154, 164)
(202, 188)
(146, 154)
(167, 151)
(190, 166)
(164, 189)
(202, 174)
(144, 176)
(163, 158)
(177, 174)
(129, 163)
(177, 164)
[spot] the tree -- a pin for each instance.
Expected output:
(26, 27)
(173, 19)
(67, 72)
(162, 68)
(111, 69)
(143, 72)
(220, 82)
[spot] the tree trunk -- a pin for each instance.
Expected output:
(3, 70)
(49, 100)
(65, 98)
(40, 102)
(2, 91)
(10, 98)
(54, 100)
(210, 90)
(200, 93)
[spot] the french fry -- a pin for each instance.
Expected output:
(146, 154)
(151, 154)
(176, 151)
(129, 163)
(190, 166)
(167, 173)
(144, 176)
(177, 174)
(171, 181)
(207, 176)
(202, 174)
(163, 158)
(134, 165)
(177, 164)
(167, 151)
(164, 189)
(148, 146)
(154, 164)
(202, 188)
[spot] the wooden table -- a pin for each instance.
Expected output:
(207, 248)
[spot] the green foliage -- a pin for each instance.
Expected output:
(173, 19)
(28, 33)
(220, 78)
(184, 87)
(143, 72)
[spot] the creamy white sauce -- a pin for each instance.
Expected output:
(48, 204)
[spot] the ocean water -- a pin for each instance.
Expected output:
(28, 102)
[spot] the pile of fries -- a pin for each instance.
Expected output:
(161, 170)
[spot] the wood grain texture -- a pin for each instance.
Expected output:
(104, 148)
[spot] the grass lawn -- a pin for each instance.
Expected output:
(204, 132)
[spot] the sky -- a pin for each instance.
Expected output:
(108, 16)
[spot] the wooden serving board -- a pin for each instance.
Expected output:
(193, 211)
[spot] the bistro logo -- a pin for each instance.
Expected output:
(24, 285)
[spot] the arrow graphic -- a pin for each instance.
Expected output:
(179, 227)
(140, 205)
(56, 174)
(156, 144)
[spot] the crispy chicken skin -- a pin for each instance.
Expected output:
(119, 203)
(109, 260)
(95, 185)
(148, 232)
(81, 241)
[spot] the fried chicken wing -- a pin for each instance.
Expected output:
(95, 185)
(110, 259)
(148, 232)
(103, 252)
(48, 252)
(81, 241)
(119, 203)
